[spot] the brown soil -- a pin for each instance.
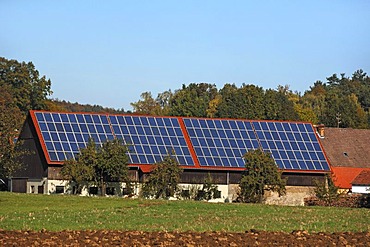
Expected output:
(138, 238)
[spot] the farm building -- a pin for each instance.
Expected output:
(202, 146)
(348, 152)
(361, 183)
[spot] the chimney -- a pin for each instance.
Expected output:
(320, 129)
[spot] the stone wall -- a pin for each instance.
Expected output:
(295, 196)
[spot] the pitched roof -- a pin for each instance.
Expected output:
(362, 179)
(343, 176)
(347, 147)
(198, 143)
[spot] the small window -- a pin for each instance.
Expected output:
(185, 193)
(59, 189)
(93, 190)
(217, 194)
(110, 191)
(126, 191)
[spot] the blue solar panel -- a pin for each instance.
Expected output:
(216, 142)
(63, 133)
(292, 145)
(150, 139)
(220, 143)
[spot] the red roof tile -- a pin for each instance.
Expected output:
(363, 178)
(343, 176)
(347, 147)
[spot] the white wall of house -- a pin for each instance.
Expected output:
(363, 189)
(224, 189)
(33, 185)
(56, 186)
(295, 194)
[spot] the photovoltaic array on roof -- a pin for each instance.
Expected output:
(217, 143)
(152, 138)
(294, 146)
(149, 138)
(64, 134)
(221, 142)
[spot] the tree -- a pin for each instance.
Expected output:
(261, 174)
(278, 106)
(192, 100)
(80, 171)
(163, 179)
(209, 189)
(98, 165)
(150, 106)
(112, 164)
(326, 191)
(27, 87)
(212, 106)
(78, 174)
(10, 121)
(147, 105)
(244, 102)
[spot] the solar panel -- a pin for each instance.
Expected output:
(150, 139)
(294, 146)
(65, 133)
(221, 143)
(216, 142)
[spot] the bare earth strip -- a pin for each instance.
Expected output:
(139, 238)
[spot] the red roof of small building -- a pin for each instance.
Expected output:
(363, 178)
(343, 176)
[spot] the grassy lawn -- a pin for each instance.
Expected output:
(60, 212)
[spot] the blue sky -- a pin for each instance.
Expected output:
(109, 52)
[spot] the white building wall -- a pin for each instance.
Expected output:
(33, 185)
(223, 188)
(363, 189)
(51, 186)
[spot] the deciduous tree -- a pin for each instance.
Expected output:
(261, 174)
(10, 121)
(28, 88)
(99, 165)
(112, 164)
(192, 100)
(163, 179)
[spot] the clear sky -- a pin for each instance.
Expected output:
(109, 52)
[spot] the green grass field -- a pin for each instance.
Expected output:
(58, 212)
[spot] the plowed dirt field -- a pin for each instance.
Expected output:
(138, 238)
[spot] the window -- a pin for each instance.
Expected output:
(110, 191)
(126, 191)
(185, 193)
(217, 194)
(93, 190)
(59, 189)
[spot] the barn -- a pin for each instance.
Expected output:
(348, 152)
(202, 146)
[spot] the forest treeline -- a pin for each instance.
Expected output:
(340, 101)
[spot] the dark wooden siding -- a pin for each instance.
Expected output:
(19, 185)
(35, 166)
(303, 179)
